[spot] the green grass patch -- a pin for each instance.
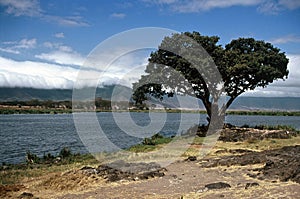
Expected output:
(150, 144)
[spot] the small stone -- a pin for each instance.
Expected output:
(251, 184)
(26, 195)
(202, 190)
(191, 158)
(218, 185)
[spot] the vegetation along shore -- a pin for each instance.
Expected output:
(58, 108)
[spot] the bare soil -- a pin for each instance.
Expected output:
(244, 173)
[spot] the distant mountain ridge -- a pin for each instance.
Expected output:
(267, 103)
(105, 92)
(25, 94)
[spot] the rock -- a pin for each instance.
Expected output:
(87, 170)
(120, 170)
(26, 195)
(234, 151)
(191, 158)
(236, 134)
(217, 185)
(282, 164)
(251, 184)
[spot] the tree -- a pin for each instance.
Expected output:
(243, 65)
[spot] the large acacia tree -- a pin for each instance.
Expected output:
(243, 65)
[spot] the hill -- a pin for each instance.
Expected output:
(25, 94)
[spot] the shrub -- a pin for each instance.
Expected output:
(32, 158)
(65, 152)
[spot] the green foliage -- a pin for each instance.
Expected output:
(141, 148)
(276, 127)
(268, 113)
(65, 156)
(156, 139)
(65, 152)
(48, 157)
(244, 64)
(32, 158)
(150, 144)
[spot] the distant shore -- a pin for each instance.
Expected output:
(16, 110)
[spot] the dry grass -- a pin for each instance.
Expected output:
(53, 181)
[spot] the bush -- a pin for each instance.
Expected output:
(156, 139)
(65, 152)
(32, 158)
(277, 127)
(48, 157)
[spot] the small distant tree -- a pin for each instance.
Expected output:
(243, 64)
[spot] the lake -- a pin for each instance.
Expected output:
(46, 133)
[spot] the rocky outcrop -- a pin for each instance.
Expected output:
(282, 164)
(237, 134)
(121, 170)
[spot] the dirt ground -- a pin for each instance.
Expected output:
(227, 173)
(181, 179)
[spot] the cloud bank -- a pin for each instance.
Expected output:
(35, 74)
(125, 70)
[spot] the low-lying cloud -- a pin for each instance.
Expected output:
(125, 71)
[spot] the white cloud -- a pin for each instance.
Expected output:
(49, 75)
(59, 35)
(269, 7)
(117, 67)
(189, 6)
(72, 21)
(196, 6)
(290, 4)
(24, 7)
(286, 39)
(274, 6)
(16, 46)
(118, 15)
(289, 87)
(35, 74)
(26, 43)
(9, 50)
(61, 54)
(32, 8)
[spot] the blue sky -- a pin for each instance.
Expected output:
(43, 44)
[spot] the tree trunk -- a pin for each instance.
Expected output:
(215, 117)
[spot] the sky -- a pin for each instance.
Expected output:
(45, 44)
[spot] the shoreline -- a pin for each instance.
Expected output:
(13, 110)
(155, 142)
(79, 178)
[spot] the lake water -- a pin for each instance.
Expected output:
(42, 133)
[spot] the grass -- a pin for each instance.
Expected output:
(15, 173)
(259, 145)
(150, 144)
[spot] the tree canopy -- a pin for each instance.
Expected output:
(182, 59)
